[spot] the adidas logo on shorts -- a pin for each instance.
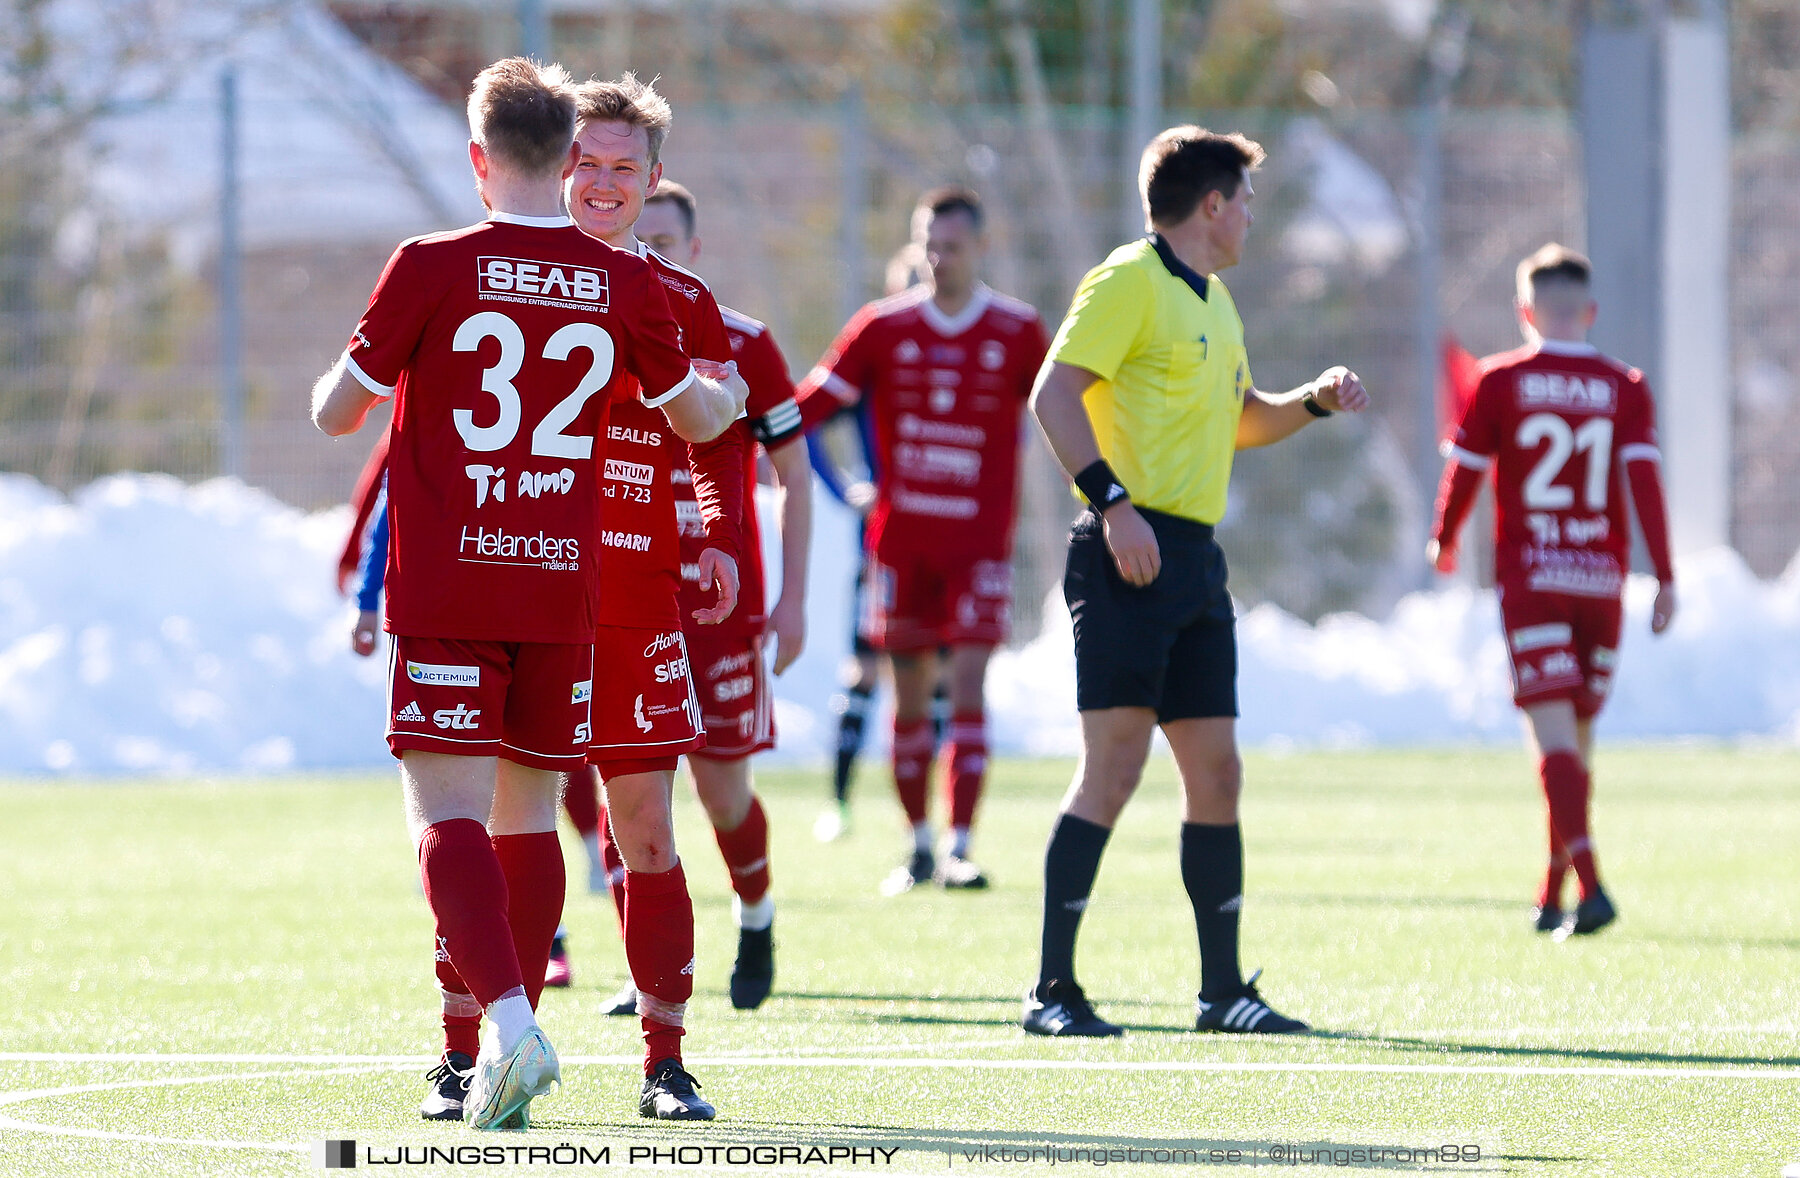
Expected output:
(411, 712)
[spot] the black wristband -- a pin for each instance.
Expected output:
(1100, 486)
(1310, 401)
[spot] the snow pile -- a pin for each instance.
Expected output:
(152, 627)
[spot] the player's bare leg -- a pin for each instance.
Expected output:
(1556, 734)
(964, 761)
(1212, 868)
(742, 831)
(914, 675)
(1114, 744)
(449, 800)
(659, 915)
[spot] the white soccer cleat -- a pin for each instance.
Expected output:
(504, 1085)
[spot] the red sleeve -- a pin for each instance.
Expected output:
(1456, 494)
(362, 502)
(388, 333)
(1642, 458)
(718, 470)
(1037, 347)
(1478, 433)
(708, 340)
(774, 415)
(1470, 451)
(650, 339)
(842, 375)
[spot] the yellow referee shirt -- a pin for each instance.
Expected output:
(1173, 376)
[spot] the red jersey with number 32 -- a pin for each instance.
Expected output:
(640, 550)
(772, 418)
(504, 344)
(946, 394)
(1559, 422)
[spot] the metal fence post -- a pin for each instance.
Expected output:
(230, 294)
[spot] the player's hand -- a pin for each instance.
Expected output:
(1662, 611)
(861, 497)
(721, 572)
(787, 623)
(1132, 543)
(1341, 391)
(725, 375)
(364, 634)
(716, 370)
(1441, 557)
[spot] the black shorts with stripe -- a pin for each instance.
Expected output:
(1171, 645)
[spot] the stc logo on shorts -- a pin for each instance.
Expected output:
(541, 280)
(491, 480)
(440, 675)
(460, 716)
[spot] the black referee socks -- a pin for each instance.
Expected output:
(1070, 863)
(1212, 867)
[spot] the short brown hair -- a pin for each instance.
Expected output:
(1185, 163)
(1552, 263)
(951, 198)
(669, 192)
(626, 100)
(523, 114)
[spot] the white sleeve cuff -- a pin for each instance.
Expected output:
(680, 387)
(1639, 452)
(1466, 458)
(383, 391)
(834, 384)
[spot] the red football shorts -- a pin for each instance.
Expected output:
(1561, 646)
(919, 601)
(525, 701)
(644, 704)
(736, 705)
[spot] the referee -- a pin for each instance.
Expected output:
(1146, 396)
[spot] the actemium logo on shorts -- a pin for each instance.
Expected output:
(439, 675)
(582, 692)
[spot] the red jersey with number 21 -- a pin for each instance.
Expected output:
(504, 344)
(1559, 422)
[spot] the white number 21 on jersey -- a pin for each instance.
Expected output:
(1594, 437)
(548, 439)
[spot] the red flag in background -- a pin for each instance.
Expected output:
(1458, 373)
(362, 501)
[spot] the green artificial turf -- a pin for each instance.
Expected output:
(1387, 896)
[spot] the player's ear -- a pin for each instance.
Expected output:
(574, 158)
(655, 179)
(694, 248)
(478, 160)
(1591, 313)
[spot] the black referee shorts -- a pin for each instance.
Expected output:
(1170, 646)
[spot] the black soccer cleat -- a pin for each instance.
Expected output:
(753, 974)
(1546, 918)
(1059, 1008)
(1591, 915)
(956, 873)
(1245, 1014)
(449, 1085)
(669, 1095)
(915, 871)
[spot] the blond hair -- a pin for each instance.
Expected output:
(626, 100)
(523, 114)
(1552, 263)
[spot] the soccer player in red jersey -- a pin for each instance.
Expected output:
(651, 715)
(504, 345)
(736, 702)
(1565, 431)
(946, 369)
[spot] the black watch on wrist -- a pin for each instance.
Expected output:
(1310, 400)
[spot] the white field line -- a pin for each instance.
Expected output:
(936, 1063)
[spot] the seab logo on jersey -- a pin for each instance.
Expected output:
(1559, 390)
(439, 675)
(544, 284)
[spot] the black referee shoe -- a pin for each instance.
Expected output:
(1245, 1014)
(1059, 1008)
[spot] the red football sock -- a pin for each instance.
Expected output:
(535, 885)
(582, 800)
(965, 766)
(659, 947)
(1566, 790)
(462, 1014)
(1550, 896)
(615, 867)
(467, 894)
(746, 851)
(912, 764)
